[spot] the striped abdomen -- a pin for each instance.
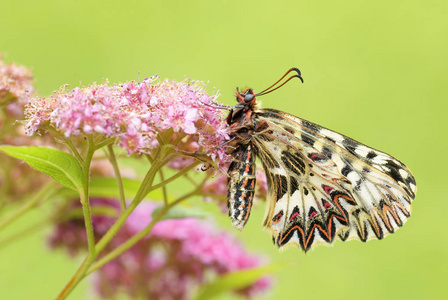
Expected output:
(241, 185)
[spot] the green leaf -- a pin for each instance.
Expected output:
(234, 281)
(179, 212)
(63, 167)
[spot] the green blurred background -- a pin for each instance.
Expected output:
(374, 70)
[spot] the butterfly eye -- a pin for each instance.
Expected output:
(248, 98)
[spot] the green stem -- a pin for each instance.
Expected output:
(193, 182)
(41, 195)
(165, 194)
(106, 142)
(84, 197)
(147, 182)
(174, 177)
(178, 139)
(68, 142)
(76, 214)
(113, 161)
(74, 150)
(133, 240)
(80, 273)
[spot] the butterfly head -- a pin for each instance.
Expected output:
(242, 112)
(246, 97)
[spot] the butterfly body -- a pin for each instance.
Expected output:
(321, 184)
(241, 185)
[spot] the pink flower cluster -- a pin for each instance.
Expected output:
(176, 257)
(16, 180)
(135, 113)
(15, 86)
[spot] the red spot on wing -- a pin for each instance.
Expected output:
(328, 189)
(293, 216)
(313, 214)
(317, 157)
(277, 218)
(326, 204)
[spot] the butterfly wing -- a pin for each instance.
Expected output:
(323, 184)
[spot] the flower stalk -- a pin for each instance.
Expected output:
(146, 184)
(84, 197)
(113, 161)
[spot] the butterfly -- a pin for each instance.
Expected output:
(321, 184)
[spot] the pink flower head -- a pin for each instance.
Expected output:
(15, 87)
(135, 113)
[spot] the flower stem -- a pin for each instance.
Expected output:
(84, 197)
(147, 182)
(164, 192)
(113, 161)
(43, 194)
(80, 273)
(174, 177)
(74, 150)
(106, 142)
(68, 142)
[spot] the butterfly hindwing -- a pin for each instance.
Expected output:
(305, 205)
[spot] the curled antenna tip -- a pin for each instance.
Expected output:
(299, 74)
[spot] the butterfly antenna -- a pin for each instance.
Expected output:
(269, 89)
